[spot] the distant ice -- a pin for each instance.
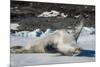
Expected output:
(63, 15)
(14, 26)
(77, 16)
(35, 33)
(22, 33)
(48, 31)
(52, 13)
(38, 32)
(87, 31)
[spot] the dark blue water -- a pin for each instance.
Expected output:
(87, 53)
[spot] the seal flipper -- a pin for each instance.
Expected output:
(79, 27)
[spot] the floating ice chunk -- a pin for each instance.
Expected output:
(44, 14)
(47, 32)
(22, 33)
(63, 15)
(35, 33)
(87, 31)
(52, 13)
(17, 10)
(16, 7)
(14, 26)
(77, 16)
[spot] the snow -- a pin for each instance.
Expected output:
(86, 41)
(47, 32)
(52, 13)
(35, 33)
(22, 33)
(16, 7)
(14, 26)
(37, 59)
(77, 16)
(63, 15)
(87, 31)
(32, 34)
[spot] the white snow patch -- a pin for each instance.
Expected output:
(47, 32)
(52, 13)
(22, 33)
(87, 31)
(14, 26)
(35, 33)
(77, 16)
(63, 15)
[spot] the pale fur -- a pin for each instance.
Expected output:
(64, 42)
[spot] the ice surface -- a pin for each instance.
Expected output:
(86, 41)
(35, 59)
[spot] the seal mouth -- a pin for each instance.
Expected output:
(77, 51)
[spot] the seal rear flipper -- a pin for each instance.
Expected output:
(79, 27)
(16, 49)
